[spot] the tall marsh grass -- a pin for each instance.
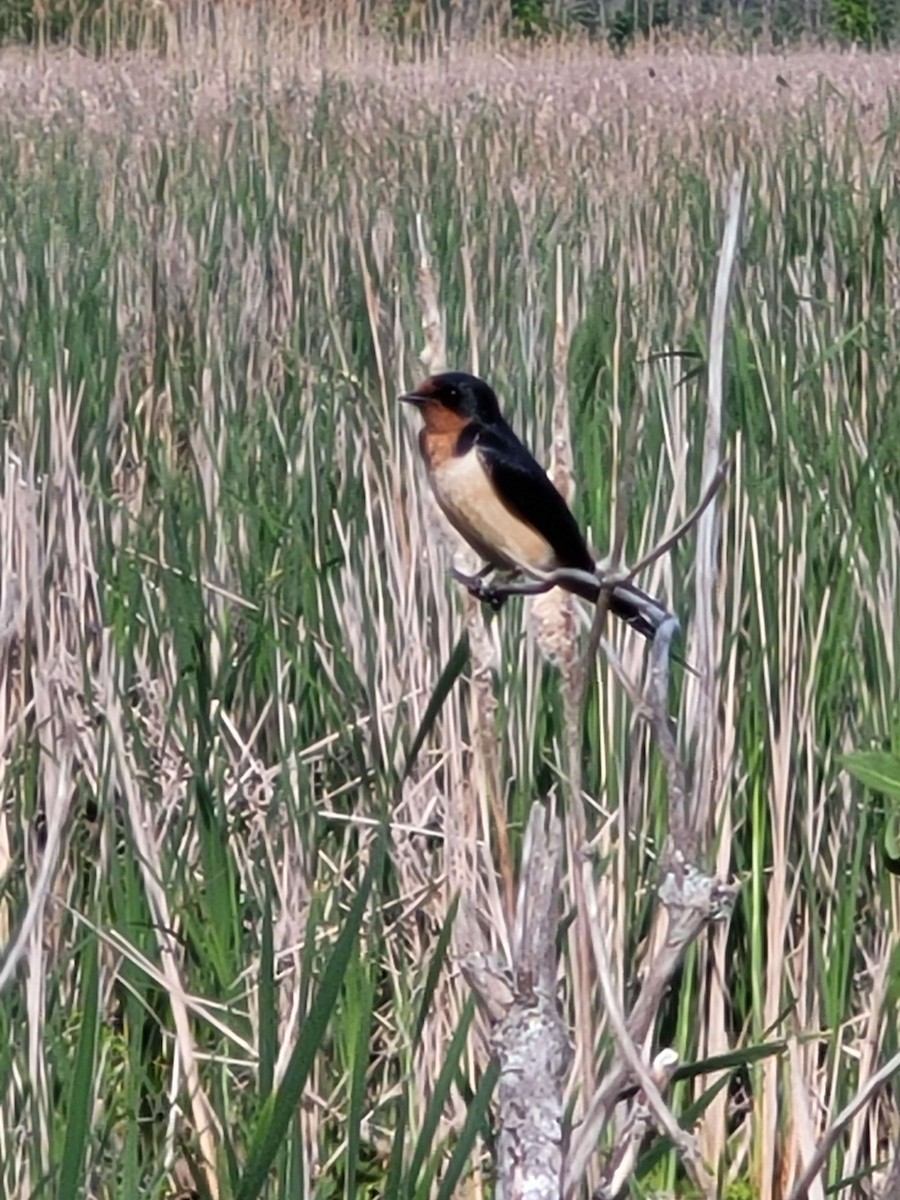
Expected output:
(226, 606)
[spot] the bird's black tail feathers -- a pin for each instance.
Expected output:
(637, 609)
(629, 604)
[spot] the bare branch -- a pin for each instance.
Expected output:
(607, 577)
(691, 902)
(631, 1130)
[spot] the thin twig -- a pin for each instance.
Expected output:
(844, 1117)
(607, 577)
(670, 540)
(632, 1129)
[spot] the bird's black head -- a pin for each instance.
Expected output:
(467, 396)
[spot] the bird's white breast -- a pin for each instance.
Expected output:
(465, 493)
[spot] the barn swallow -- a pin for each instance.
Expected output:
(499, 498)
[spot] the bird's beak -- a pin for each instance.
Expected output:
(413, 398)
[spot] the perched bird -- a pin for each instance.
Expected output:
(500, 499)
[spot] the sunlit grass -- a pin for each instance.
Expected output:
(225, 607)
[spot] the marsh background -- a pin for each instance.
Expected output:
(225, 599)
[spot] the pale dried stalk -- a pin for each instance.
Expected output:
(434, 355)
(434, 359)
(24, 561)
(891, 1187)
(702, 652)
(39, 893)
(800, 1140)
(147, 853)
(556, 629)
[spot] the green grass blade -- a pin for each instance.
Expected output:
(478, 1113)
(456, 664)
(80, 1106)
(435, 967)
(398, 1145)
(449, 1070)
(268, 1008)
(361, 1018)
(877, 769)
(281, 1106)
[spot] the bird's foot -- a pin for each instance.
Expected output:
(498, 590)
(471, 581)
(476, 585)
(488, 593)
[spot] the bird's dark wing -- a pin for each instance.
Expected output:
(527, 492)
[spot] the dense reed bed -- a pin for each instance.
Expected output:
(226, 607)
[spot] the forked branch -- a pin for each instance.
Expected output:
(495, 591)
(529, 1035)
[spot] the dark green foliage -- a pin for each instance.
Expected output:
(879, 771)
(530, 18)
(638, 20)
(869, 22)
(92, 25)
